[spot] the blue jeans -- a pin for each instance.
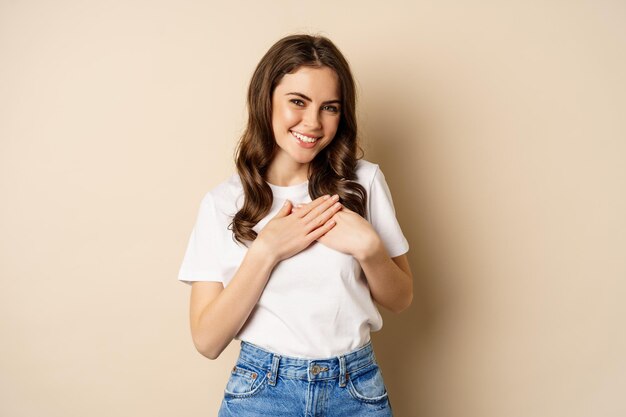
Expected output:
(263, 383)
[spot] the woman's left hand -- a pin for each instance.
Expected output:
(352, 234)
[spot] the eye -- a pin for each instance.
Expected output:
(333, 109)
(296, 101)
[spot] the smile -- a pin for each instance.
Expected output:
(303, 138)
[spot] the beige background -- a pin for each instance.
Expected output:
(500, 127)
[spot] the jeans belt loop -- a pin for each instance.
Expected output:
(273, 374)
(342, 371)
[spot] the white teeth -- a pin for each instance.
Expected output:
(302, 137)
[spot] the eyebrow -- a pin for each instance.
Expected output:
(306, 98)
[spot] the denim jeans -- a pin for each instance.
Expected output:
(263, 383)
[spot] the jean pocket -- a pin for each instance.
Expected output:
(245, 380)
(367, 385)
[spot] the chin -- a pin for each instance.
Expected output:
(304, 159)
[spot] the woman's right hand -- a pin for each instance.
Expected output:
(288, 233)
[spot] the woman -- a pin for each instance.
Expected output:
(289, 254)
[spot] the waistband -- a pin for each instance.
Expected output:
(308, 369)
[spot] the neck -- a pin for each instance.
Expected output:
(286, 173)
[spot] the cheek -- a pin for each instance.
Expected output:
(331, 124)
(287, 116)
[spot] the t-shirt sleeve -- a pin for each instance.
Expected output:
(382, 216)
(201, 260)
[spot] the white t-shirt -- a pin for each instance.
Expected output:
(316, 304)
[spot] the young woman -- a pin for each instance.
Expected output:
(289, 254)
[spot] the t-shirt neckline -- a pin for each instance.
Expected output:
(289, 190)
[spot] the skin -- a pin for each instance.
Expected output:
(318, 117)
(217, 313)
(311, 118)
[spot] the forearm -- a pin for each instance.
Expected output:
(389, 285)
(221, 320)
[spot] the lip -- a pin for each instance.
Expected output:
(306, 134)
(305, 145)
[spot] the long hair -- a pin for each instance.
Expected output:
(332, 171)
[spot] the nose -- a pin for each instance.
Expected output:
(312, 119)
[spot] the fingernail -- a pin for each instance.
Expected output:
(286, 202)
(335, 197)
(326, 197)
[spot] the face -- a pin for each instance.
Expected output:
(306, 111)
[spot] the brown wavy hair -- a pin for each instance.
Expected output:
(333, 170)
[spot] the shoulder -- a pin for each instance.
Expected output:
(365, 172)
(226, 196)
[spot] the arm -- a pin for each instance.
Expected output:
(390, 279)
(217, 313)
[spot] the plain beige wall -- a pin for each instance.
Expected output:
(500, 129)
